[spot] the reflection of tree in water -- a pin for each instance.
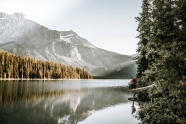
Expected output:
(25, 91)
(133, 108)
(35, 102)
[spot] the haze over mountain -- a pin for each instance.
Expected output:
(25, 37)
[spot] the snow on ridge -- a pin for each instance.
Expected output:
(75, 54)
(86, 43)
(68, 35)
(53, 45)
(66, 38)
(90, 46)
(46, 50)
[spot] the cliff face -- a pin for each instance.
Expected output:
(25, 37)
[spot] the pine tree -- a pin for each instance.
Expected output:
(169, 66)
(144, 28)
(12, 66)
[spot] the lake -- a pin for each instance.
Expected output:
(67, 102)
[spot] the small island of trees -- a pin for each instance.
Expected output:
(23, 67)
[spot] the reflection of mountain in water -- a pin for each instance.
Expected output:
(26, 102)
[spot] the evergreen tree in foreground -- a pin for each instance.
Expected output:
(144, 36)
(166, 47)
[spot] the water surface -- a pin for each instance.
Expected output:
(66, 102)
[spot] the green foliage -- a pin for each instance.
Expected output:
(144, 35)
(13, 66)
(166, 58)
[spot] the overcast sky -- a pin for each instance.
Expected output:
(107, 24)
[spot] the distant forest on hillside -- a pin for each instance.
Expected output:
(24, 67)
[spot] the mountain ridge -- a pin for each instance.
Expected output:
(23, 36)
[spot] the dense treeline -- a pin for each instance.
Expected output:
(162, 60)
(19, 67)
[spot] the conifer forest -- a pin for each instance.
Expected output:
(23, 67)
(162, 60)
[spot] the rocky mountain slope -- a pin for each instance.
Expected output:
(25, 37)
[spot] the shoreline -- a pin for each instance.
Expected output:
(42, 79)
(45, 79)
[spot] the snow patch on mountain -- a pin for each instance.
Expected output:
(66, 38)
(53, 47)
(87, 44)
(74, 54)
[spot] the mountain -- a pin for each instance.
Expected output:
(22, 36)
